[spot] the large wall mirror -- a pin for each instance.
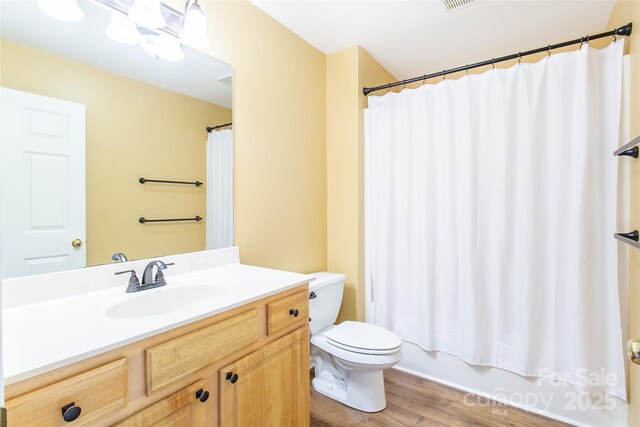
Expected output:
(84, 118)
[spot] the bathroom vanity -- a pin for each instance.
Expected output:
(231, 348)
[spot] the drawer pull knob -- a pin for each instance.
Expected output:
(294, 312)
(232, 377)
(202, 395)
(70, 412)
(312, 295)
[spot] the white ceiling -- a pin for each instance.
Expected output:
(85, 41)
(411, 38)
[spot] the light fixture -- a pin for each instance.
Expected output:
(122, 30)
(162, 47)
(62, 10)
(156, 27)
(147, 13)
(194, 31)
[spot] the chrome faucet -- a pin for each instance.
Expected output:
(119, 257)
(149, 281)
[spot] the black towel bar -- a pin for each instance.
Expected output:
(143, 220)
(162, 181)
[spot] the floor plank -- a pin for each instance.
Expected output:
(415, 401)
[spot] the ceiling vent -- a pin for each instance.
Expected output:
(455, 4)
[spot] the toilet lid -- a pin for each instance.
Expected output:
(364, 338)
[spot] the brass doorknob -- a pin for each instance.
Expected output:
(76, 243)
(633, 351)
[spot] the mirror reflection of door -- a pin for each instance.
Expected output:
(42, 199)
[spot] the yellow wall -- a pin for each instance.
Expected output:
(624, 12)
(342, 174)
(280, 137)
(347, 72)
(132, 130)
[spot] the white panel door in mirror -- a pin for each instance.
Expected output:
(42, 200)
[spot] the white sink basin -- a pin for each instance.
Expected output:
(165, 300)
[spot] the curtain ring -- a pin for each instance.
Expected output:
(615, 36)
(549, 51)
(587, 40)
(444, 75)
(424, 80)
(519, 58)
(404, 84)
(493, 63)
(581, 41)
(467, 69)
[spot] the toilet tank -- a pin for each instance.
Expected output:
(325, 298)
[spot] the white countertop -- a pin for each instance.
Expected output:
(57, 331)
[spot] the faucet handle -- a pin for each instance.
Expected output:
(119, 257)
(160, 275)
(133, 272)
(134, 282)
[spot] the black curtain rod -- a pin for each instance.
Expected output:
(211, 128)
(621, 31)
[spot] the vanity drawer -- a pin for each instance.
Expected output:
(96, 392)
(288, 313)
(179, 357)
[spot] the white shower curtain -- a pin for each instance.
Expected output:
(220, 189)
(490, 208)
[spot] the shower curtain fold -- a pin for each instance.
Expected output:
(490, 203)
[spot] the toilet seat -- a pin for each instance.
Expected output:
(363, 338)
(364, 359)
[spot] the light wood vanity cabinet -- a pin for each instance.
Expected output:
(248, 366)
(265, 388)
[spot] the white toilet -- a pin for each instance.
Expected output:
(348, 358)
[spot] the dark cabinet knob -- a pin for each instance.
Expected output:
(70, 412)
(232, 377)
(312, 295)
(202, 395)
(294, 312)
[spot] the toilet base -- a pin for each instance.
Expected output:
(363, 391)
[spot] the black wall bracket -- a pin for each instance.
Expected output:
(630, 149)
(630, 238)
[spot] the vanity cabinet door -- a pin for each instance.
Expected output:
(269, 387)
(182, 409)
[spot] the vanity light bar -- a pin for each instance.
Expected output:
(174, 19)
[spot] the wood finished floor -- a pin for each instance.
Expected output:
(414, 401)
